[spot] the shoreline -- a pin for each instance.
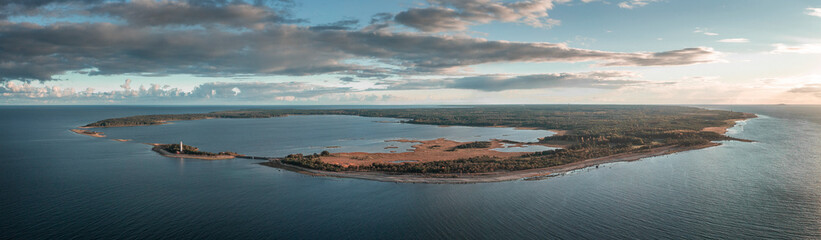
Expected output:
(88, 133)
(434, 150)
(164, 153)
(528, 174)
(730, 123)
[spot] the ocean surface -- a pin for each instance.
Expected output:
(55, 184)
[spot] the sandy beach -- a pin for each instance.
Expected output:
(89, 133)
(729, 123)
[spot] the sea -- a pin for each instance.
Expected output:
(55, 184)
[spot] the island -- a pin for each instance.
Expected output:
(186, 151)
(586, 136)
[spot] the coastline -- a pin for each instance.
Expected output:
(88, 133)
(434, 150)
(730, 123)
(527, 174)
(162, 152)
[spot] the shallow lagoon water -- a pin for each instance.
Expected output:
(57, 184)
(281, 136)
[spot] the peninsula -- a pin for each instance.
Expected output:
(588, 135)
(185, 151)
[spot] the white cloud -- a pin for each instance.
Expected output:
(705, 32)
(814, 12)
(734, 40)
(238, 91)
(635, 3)
(809, 48)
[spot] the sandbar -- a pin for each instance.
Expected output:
(89, 133)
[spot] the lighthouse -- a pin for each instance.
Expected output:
(182, 150)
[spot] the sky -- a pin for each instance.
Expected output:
(382, 52)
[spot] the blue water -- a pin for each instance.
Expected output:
(281, 136)
(57, 184)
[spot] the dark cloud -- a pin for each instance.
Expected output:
(32, 4)
(457, 15)
(426, 52)
(253, 14)
(381, 18)
(162, 13)
(675, 57)
(379, 22)
(492, 83)
(814, 89)
(346, 24)
(347, 79)
(34, 52)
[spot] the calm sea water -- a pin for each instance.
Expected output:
(57, 184)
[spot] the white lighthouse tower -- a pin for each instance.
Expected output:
(182, 150)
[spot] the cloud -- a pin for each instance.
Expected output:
(499, 82)
(162, 13)
(734, 40)
(814, 12)
(263, 91)
(809, 48)
(676, 57)
(33, 7)
(242, 91)
(347, 79)
(635, 3)
(14, 90)
(458, 15)
(814, 89)
(34, 52)
(346, 24)
(705, 32)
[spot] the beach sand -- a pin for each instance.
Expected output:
(89, 133)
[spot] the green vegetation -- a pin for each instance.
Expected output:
(311, 161)
(482, 144)
(593, 131)
(175, 148)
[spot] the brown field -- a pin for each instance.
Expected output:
(425, 151)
